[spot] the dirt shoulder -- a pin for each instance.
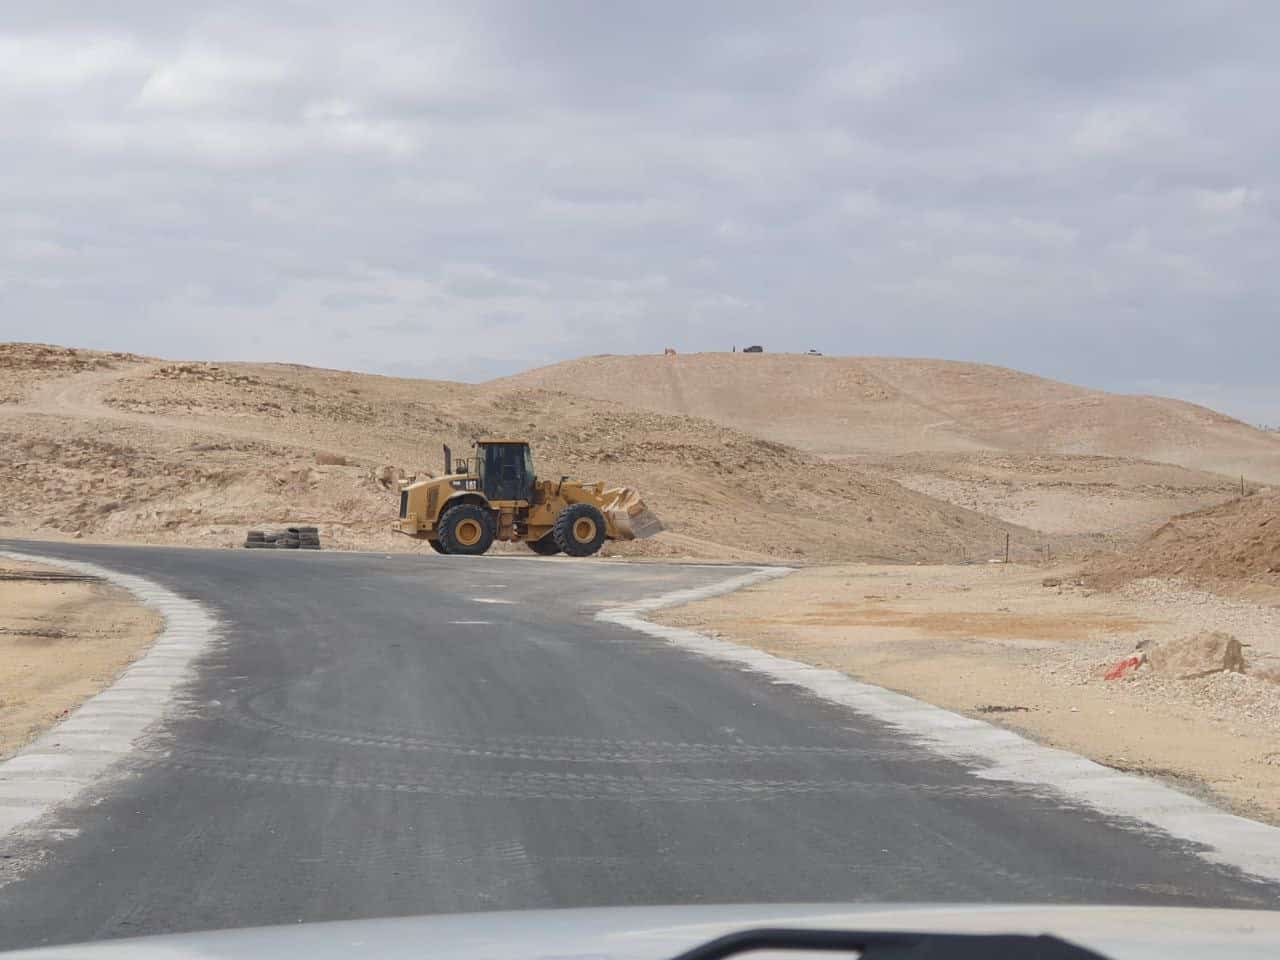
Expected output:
(993, 642)
(61, 641)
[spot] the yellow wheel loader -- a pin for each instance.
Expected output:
(497, 496)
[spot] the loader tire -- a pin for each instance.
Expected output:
(436, 545)
(579, 530)
(466, 529)
(254, 535)
(546, 547)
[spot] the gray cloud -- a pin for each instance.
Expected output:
(1085, 191)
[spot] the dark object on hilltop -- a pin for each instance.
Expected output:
(290, 538)
(756, 348)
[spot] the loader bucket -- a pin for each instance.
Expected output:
(628, 517)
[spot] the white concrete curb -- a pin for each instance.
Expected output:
(992, 752)
(73, 754)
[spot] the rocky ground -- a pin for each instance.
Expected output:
(25, 365)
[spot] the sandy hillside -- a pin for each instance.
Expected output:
(111, 446)
(1232, 548)
(1117, 500)
(889, 406)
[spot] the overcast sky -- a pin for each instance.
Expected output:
(1087, 191)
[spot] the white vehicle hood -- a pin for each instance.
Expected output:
(658, 933)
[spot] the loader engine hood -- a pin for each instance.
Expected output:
(420, 500)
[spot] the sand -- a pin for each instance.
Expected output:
(1110, 501)
(61, 641)
(1233, 548)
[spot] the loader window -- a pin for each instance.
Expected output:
(530, 477)
(503, 473)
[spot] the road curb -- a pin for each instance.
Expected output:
(79, 751)
(991, 752)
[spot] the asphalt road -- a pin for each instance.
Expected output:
(370, 739)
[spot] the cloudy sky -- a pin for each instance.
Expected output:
(1083, 190)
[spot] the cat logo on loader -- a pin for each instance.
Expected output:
(497, 496)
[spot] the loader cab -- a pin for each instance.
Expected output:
(505, 469)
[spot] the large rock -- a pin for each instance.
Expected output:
(1197, 656)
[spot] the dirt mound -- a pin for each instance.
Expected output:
(890, 406)
(1237, 542)
(200, 452)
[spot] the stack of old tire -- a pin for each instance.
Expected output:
(291, 538)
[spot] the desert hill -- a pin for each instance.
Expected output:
(122, 447)
(880, 406)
